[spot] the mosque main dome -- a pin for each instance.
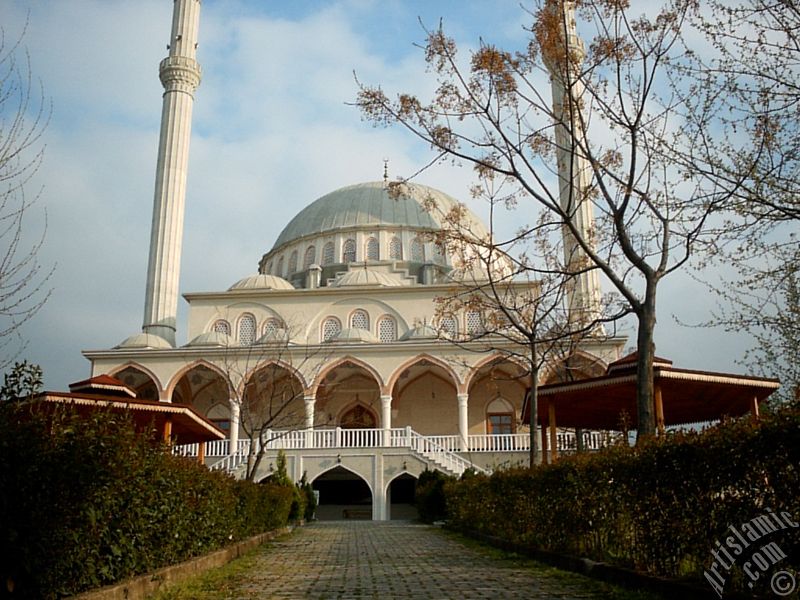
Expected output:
(379, 228)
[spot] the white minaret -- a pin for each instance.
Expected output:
(180, 76)
(574, 172)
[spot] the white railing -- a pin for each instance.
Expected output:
(440, 449)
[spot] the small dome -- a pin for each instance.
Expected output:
(212, 339)
(469, 275)
(367, 277)
(144, 340)
(354, 336)
(262, 281)
(274, 336)
(421, 332)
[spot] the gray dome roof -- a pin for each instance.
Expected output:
(421, 332)
(144, 340)
(370, 205)
(358, 277)
(212, 339)
(262, 281)
(354, 336)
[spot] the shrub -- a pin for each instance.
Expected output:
(429, 496)
(659, 507)
(87, 502)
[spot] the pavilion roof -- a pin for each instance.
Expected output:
(689, 396)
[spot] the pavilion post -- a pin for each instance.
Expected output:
(167, 432)
(551, 420)
(201, 452)
(659, 408)
(754, 407)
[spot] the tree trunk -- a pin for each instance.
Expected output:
(646, 423)
(533, 399)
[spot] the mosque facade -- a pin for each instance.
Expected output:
(334, 351)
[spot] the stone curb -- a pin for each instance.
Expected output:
(140, 587)
(628, 578)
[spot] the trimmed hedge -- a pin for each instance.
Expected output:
(86, 502)
(659, 507)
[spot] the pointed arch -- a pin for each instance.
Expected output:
(582, 364)
(176, 377)
(495, 357)
(366, 479)
(455, 379)
(289, 368)
(142, 369)
(344, 360)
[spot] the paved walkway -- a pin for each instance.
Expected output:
(365, 559)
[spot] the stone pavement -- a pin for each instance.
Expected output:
(367, 559)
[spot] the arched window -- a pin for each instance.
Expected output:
(311, 255)
(272, 325)
(293, 262)
(438, 254)
(395, 249)
(417, 250)
(330, 328)
(269, 269)
(222, 326)
(280, 267)
(499, 417)
(474, 323)
(220, 415)
(387, 329)
(448, 326)
(359, 319)
(327, 254)
(247, 329)
(349, 251)
(373, 250)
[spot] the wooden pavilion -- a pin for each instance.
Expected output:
(174, 423)
(681, 397)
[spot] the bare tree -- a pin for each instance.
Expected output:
(518, 290)
(270, 395)
(610, 126)
(744, 111)
(24, 114)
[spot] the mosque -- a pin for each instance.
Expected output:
(333, 351)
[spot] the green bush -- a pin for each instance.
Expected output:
(87, 502)
(311, 500)
(659, 507)
(429, 496)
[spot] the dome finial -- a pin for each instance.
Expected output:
(385, 172)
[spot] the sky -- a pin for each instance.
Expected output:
(273, 129)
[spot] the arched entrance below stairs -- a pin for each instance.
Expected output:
(342, 495)
(400, 498)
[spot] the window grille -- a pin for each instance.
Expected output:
(247, 330)
(359, 320)
(417, 250)
(449, 326)
(293, 262)
(387, 330)
(474, 322)
(330, 328)
(222, 326)
(311, 255)
(395, 249)
(373, 250)
(327, 254)
(349, 251)
(272, 325)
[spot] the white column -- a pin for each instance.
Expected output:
(233, 433)
(309, 404)
(386, 419)
(180, 76)
(463, 422)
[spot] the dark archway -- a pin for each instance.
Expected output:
(141, 382)
(342, 495)
(400, 498)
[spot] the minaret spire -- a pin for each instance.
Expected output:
(563, 53)
(180, 76)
